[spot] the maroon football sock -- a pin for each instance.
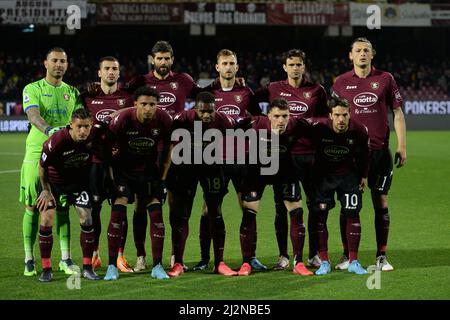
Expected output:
(45, 245)
(313, 237)
(123, 237)
(343, 228)
(118, 213)
(353, 236)
(87, 239)
(246, 233)
(382, 221)
(322, 231)
(157, 231)
(139, 231)
(281, 228)
(97, 225)
(297, 233)
(217, 229)
(205, 238)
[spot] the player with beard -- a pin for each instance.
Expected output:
(186, 176)
(49, 104)
(235, 101)
(341, 164)
(64, 174)
(102, 105)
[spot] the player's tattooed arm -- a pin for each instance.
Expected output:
(36, 120)
(45, 199)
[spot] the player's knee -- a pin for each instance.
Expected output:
(252, 196)
(383, 212)
(121, 200)
(350, 213)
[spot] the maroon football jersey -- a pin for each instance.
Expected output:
(370, 98)
(340, 153)
(309, 100)
(137, 142)
(173, 90)
(234, 103)
(67, 161)
(186, 120)
(103, 105)
(294, 130)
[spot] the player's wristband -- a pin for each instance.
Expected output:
(47, 130)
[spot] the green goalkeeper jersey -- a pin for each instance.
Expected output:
(55, 103)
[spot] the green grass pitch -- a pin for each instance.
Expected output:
(419, 243)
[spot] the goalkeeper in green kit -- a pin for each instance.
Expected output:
(49, 104)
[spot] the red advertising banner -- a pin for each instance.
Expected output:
(225, 13)
(139, 13)
(307, 13)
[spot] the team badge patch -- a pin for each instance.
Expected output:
(66, 97)
(120, 102)
(375, 85)
(238, 98)
(174, 85)
(307, 95)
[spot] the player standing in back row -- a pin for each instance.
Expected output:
(371, 93)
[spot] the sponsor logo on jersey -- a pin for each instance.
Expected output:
(97, 102)
(155, 131)
(166, 99)
(351, 87)
(68, 152)
(219, 99)
(47, 95)
(121, 102)
(285, 94)
(297, 107)
(336, 153)
(398, 96)
(174, 85)
(229, 109)
(365, 99)
(44, 156)
(102, 114)
(141, 145)
(238, 98)
(77, 160)
(307, 95)
(132, 132)
(66, 97)
(374, 85)
(26, 98)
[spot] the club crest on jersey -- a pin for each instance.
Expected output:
(374, 85)
(155, 131)
(66, 97)
(307, 95)
(174, 85)
(238, 98)
(350, 141)
(120, 102)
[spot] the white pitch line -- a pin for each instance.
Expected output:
(9, 171)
